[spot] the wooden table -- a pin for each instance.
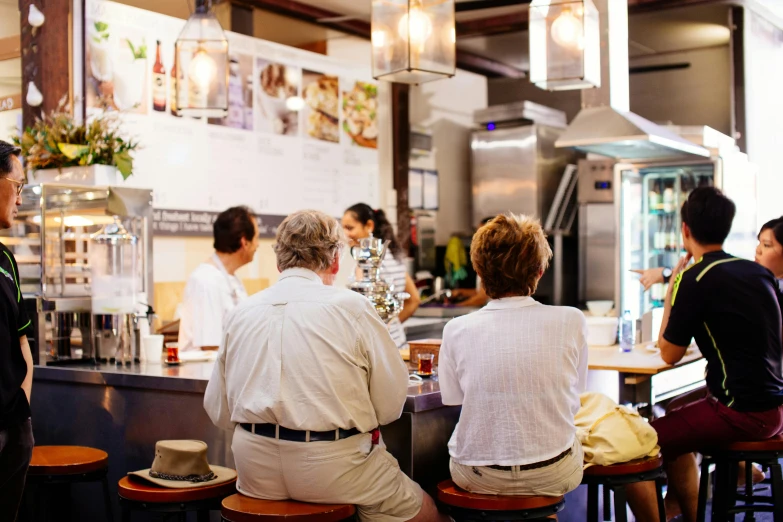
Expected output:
(645, 379)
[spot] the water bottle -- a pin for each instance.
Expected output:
(626, 332)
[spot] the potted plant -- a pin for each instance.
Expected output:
(58, 149)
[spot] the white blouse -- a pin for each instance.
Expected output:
(517, 367)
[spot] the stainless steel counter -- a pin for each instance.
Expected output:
(125, 410)
(192, 378)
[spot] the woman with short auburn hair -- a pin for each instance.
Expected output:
(517, 368)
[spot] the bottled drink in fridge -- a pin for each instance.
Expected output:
(626, 332)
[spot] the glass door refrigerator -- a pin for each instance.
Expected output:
(649, 221)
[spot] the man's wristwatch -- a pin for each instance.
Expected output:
(667, 274)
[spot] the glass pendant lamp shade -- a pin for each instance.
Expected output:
(413, 41)
(565, 44)
(201, 62)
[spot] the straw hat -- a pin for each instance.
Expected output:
(181, 464)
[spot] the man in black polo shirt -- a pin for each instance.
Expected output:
(16, 361)
(732, 308)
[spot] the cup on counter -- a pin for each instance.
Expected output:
(153, 348)
(425, 363)
(172, 352)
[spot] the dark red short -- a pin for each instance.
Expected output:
(706, 423)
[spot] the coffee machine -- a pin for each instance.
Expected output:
(85, 270)
(369, 254)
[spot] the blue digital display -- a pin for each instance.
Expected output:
(603, 185)
(491, 126)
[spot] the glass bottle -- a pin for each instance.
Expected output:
(158, 83)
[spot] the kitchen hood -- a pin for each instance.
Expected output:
(623, 135)
(605, 125)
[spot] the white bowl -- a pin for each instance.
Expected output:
(600, 308)
(602, 331)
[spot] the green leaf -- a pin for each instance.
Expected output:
(72, 151)
(101, 26)
(140, 53)
(124, 163)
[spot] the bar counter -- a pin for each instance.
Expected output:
(125, 410)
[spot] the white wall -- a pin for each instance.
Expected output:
(446, 107)
(764, 110)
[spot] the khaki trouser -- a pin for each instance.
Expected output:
(551, 481)
(347, 471)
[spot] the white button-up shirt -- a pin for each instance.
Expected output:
(210, 294)
(517, 367)
(306, 356)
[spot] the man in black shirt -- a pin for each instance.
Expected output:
(16, 361)
(732, 308)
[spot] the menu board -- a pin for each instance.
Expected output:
(301, 130)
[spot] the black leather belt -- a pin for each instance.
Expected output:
(535, 465)
(271, 431)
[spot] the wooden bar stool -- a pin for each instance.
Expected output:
(614, 478)
(463, 505)
(239, 508)
(66, 465)
(725, 496)
(140, 495)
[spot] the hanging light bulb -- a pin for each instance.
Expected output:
(565, 44)
(202, 52)
(415, 26)
(413, 41)
(567, 30)
(202, 69)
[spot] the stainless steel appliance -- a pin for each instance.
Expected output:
(516, 168)
(629, 218)
(386, 299)
(51, 239)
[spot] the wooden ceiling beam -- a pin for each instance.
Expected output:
(467, 61)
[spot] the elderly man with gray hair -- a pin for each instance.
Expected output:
(306, 373)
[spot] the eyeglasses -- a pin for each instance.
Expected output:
(19, 185)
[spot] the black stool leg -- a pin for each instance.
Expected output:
(777, 490)
(751, 516)
(620, 504)
(607, 503)
(202, 516)
(107, 500)
(659, 482)
(592, 503)
(704, 481)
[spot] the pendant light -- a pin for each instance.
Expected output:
(565, 44)
(202, 65)
(413, 41)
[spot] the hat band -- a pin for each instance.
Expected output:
(187, 478)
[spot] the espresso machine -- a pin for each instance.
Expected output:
(85, 270)
(369, 254)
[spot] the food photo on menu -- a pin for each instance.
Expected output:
(278, 97)
(321, 116)
(360, 106)
(240, 93)
(117, 68)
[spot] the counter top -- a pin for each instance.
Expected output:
(644, 359)
(192, 378)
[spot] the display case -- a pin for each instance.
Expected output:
(51, 239)
(650, 224)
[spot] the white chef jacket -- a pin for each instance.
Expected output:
(210, 294)
(306, 356)
(517, 367)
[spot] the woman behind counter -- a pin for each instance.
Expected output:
(361, 221)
